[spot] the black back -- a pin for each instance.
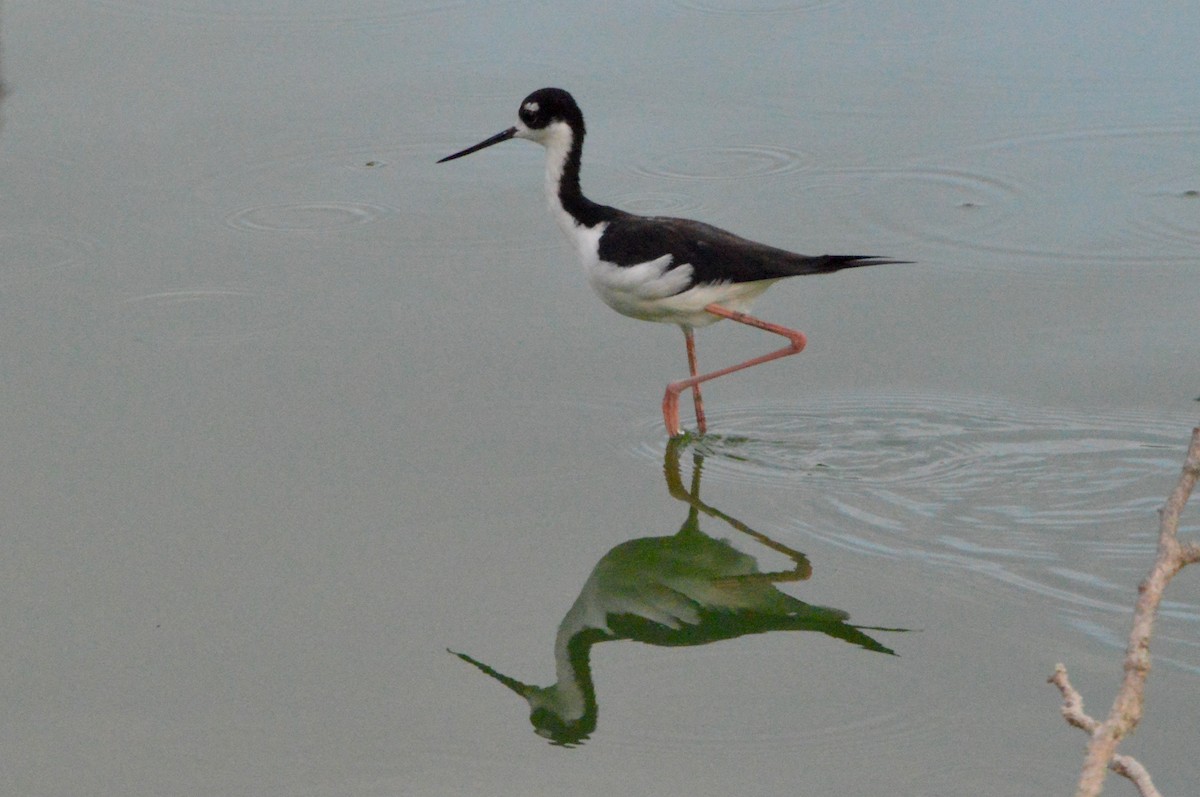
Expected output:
(715, 255)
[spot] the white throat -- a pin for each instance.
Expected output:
(557, 139)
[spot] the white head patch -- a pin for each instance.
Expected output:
(532, 107)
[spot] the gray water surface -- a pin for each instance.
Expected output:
(290, 410)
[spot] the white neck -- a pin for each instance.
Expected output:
(557, 139)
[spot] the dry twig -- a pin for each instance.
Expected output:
(1127, 707)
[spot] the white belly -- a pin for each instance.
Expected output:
(656, 299)
(653, 291)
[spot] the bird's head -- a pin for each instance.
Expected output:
(547, 116)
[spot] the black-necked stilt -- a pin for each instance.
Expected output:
(655, 268)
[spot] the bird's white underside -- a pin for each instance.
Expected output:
(651, 291)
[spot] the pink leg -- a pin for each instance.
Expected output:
(796, 344)
(697, 400)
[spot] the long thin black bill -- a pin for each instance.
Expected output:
(496, 139)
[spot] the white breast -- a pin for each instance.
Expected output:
(651, 291)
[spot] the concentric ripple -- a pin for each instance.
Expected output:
(203, 315)
(1120, 195)
(728, 163)
(335, 167)
(1058, 504)
(28, 255)
(939, 204)
(305, 216)
(358, 183)
(900, 441)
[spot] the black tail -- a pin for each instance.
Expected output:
(826, 264)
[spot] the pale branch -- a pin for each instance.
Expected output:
(1127, 707)
(1131, 768)
(1073, 713)
(1072, 707)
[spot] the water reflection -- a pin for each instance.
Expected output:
(686, 589)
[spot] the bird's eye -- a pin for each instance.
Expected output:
(528, 112)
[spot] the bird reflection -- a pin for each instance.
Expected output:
(686, 589)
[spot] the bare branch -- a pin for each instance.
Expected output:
(1129, 767)
(1073, 713)
(1072, 707)
(1127, 707)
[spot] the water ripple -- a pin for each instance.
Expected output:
(305, 216)
(29, 255)
(728, 163)
(938, 204)
(1056, 504)
(358, 183)
(203, 315)
(336, 165)
(1114, 195)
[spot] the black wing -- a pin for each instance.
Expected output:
(715, 255)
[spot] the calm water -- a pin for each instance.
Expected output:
(290, 411)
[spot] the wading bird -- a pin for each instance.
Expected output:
(657, 268)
